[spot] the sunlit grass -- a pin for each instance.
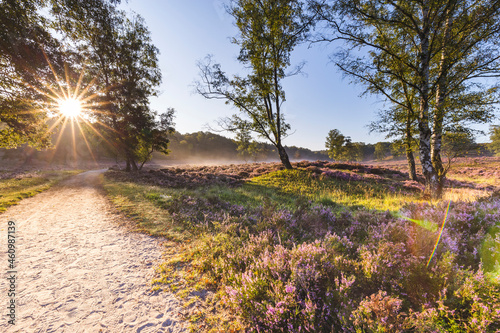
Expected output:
(282, 189)
(142, 203)
(482, 171)
(476, 179)
(463, 194)
(184, 272)
(490, 254)
(13, 190)
(332, 192)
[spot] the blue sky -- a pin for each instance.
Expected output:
(185, 31)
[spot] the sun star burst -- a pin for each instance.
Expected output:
(70, 107)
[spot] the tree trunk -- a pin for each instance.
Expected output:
(437, 134)
(133, 164)
(407, 143)
(412, 171)
(284, 157)
(430, 175)
(147, 159)
(437, 125)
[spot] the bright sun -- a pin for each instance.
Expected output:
(70, 107)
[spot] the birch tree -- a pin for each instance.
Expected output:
(434, 50)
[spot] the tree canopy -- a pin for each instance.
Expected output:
(340, 147)
(494, 146)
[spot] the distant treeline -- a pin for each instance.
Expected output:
(211, 146)
(191, 147)
(87, 147)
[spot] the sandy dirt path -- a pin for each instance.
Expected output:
(78, 270)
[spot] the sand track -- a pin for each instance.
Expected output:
(78, 270)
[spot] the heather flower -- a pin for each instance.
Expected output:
(379, 313)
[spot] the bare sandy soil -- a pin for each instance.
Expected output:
(78, 270)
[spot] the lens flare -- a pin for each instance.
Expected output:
(490, 254)
(440, 233)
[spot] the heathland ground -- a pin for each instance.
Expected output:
(252, 247)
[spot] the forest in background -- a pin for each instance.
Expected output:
(197, 147)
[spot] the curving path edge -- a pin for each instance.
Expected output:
(78, 270)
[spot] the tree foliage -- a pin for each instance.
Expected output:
(382, 150)
(124, 64)
(155, 137)
(334, 144)
(118, 66)
(340, 147)
(400, 122)
(458, 144)
(494, 145)
(25, 47)
(247, 148)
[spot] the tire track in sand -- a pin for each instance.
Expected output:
(78, 270)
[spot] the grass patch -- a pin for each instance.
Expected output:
(143, 204)
(27, 185)
(337, 193)
(183, 272)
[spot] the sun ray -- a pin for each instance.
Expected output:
(80, 96)
(55, 124)
(79, 83)
(74, 139)
(98, 133)
(107, 127)
(59, 138)
(54, 73)
(86, 142)
(68, 84)
(53, 91)
(69, 98)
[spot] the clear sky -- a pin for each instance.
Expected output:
(185, 31)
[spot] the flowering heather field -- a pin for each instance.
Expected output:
(326, 247)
